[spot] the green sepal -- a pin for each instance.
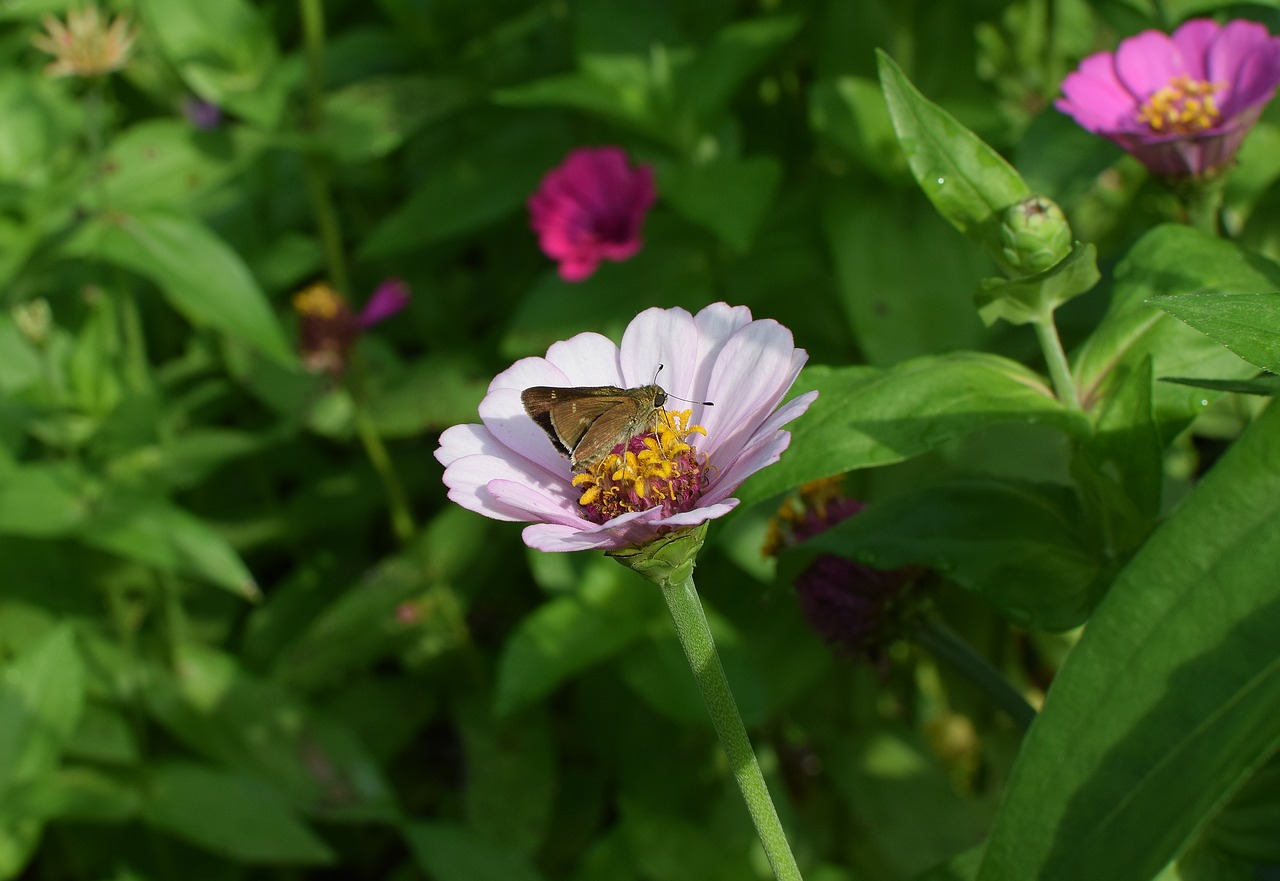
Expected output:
(668, 557)
(1034, 297)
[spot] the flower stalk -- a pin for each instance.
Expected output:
(1055, 358)
(700, 649)
(943, 642)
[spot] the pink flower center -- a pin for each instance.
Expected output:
(658, 469)
(1184, 107)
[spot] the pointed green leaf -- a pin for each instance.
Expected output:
(448, 852)
(42, 500)
(968, 182)
(865, 417)
(1246, 323)
(201, 276)
(1033, 297)
(1170, 700)
(729, 197)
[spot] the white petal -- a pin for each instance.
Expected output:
(468, 481)
(587, 359)
(537, 504)
(466, 440)
(528, 372)
(716, 324)
(661, 336)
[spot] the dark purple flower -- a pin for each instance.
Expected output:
(590, 208)
(386, 300)
(1181, 104)
(204, 115)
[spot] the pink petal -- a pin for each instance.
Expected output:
(1148, 62)
(585, 360)
(764, 449)
(716, 325)
(467, 440)
(1193, 39)
(555, 538)
(536, 504)
(468, 481)
(1095, 98)
(1247, 58)
(389, 298)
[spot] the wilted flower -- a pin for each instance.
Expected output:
(328, 328)
(1181, 104)
(852, 606)
(590, 208)
(679, 475)
(89, 44)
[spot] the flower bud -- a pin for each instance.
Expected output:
(669, 557)
(34, 320)
(1034, 235)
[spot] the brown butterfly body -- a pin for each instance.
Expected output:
(586, 423)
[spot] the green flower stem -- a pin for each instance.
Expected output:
(945, 643)
(1202, 200)
(700, 649)
(401, 517)
(1056, 360)
(317, 164)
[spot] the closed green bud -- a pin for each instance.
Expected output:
(34, 320)
(1035, 235)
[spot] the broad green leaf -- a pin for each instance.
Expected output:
(475, 186)
(728, 197)
(157, 533)
(41, 699)
(264, 731)
(717, 71)
(899, 305)
(566, 635)
(431, 394)
(1247, 825)
(511, 775)
(226, 53)
(850, 113)
(1169, 702)
(968, 182)
(42, 500)
(617, 88)
(232, 814)
(1034, 297)
(865, 417)
(665, 844)
(37, 125)
(1171, 259)
(448, 852)
(1126, 442)
(1019, 545)
(166, 163)
(372, 117)
(200, 275)
(1246, 323)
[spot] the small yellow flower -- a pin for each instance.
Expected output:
(87, 45)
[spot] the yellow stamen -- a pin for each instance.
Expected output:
(1184, 107)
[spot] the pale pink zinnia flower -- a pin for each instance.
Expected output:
(590, 208)
(680, 475)
(1181, 104)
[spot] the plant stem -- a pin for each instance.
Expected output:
(1202, 200)
(401, 517)
(1055, 358)
(945, 643)
(317, 164)
(700, 649)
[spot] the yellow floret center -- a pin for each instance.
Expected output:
(1184, 107)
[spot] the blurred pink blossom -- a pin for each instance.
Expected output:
(590, 208)
(1181, 104)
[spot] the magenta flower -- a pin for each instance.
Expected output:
(681, 474)
(591, 208)
(327, 328)
(1181, 104)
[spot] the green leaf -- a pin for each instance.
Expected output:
(226, 53)
(374, 116)
(1247, 826)
(511, 775)
(865, 417)
(232, 814)
(1246, 323)
(968, 182)
(1170, 700)
(43, 500)
(899, 305)
(1170, 259)
(166, 163)
(201, 276)
(1034, 297)
(729, 197)
(264, 731)
(448, 852)
(617, 88)
(1267, 385)
(1019, 545)
(41, 699)
(566, 635)
(708, 84)
(475, 186)
(1127, 441)
(156, 533)
(849, 112)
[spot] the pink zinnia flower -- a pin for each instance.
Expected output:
(1181, 104)
(677, 476)
(591, 208)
